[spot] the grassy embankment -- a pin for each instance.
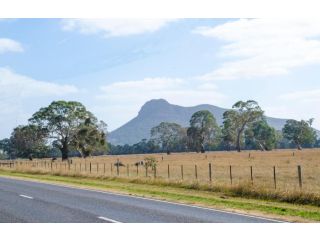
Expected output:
(294, 206)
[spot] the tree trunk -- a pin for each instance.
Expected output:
(64, 152)
(262, 148)
(238, 142)
(202, 149)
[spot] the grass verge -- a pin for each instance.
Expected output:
(291, 207)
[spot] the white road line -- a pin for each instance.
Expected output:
(151, 199)
(109, 220)
(169, 202)
(25, 196)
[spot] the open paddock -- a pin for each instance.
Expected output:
(275, 169)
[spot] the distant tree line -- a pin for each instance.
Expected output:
(65, 129)
(243, 127)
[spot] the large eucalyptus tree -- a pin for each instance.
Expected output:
(202, 130)
(236, 120)
(69, 124)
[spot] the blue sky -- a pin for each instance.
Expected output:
(113, 66)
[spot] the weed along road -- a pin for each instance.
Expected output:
(29, 201)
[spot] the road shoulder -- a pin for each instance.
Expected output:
(259, 208)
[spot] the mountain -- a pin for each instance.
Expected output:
(156, 111)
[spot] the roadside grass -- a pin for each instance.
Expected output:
(263, 169)
(289, 206)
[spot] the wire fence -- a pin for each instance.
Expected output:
(271, 177)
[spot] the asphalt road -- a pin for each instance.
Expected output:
(29, 201)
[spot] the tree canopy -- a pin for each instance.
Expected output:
(203, 127)
(29, 141)
(69, 128)
(90, 137)
(168, 135)
(236, 120)
(300, 132)
(7, 150)
(261, 135)
(68, 124)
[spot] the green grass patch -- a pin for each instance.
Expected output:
(293, 207)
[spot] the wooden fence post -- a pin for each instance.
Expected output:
(118, 169)
(182, 172)
(168, 171)
(104, 169)
(210, 173)
(251, 175)
(75, 167)
(111, 169)
(230, 173)
(155, 172)
(146, 171)
(300, 176)
(90, 167)
(196, 171)
(274, 177)
(137, 170)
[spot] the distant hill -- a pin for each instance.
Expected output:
(156, 111)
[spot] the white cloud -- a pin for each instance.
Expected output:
(124, 99)
(296, 105)
(20, 96)
(294, 110)
(114, 27)
(9, 45)
(175, 90)
(264, 47)
(308, 96)
(16, 85)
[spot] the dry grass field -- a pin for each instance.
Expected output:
(193, 167)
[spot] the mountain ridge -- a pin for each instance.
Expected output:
(155, 111)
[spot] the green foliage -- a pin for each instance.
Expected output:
(236, 120)
(90, 138)
(144, 146)
(6, 149)
(150, 162)
(73, 130)
(261, 136)
(29, 140)
(69, 124)
(300, 132)
(244, 126)
(202, 130)
(3, 155)
(229, 131)
(168, 135)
